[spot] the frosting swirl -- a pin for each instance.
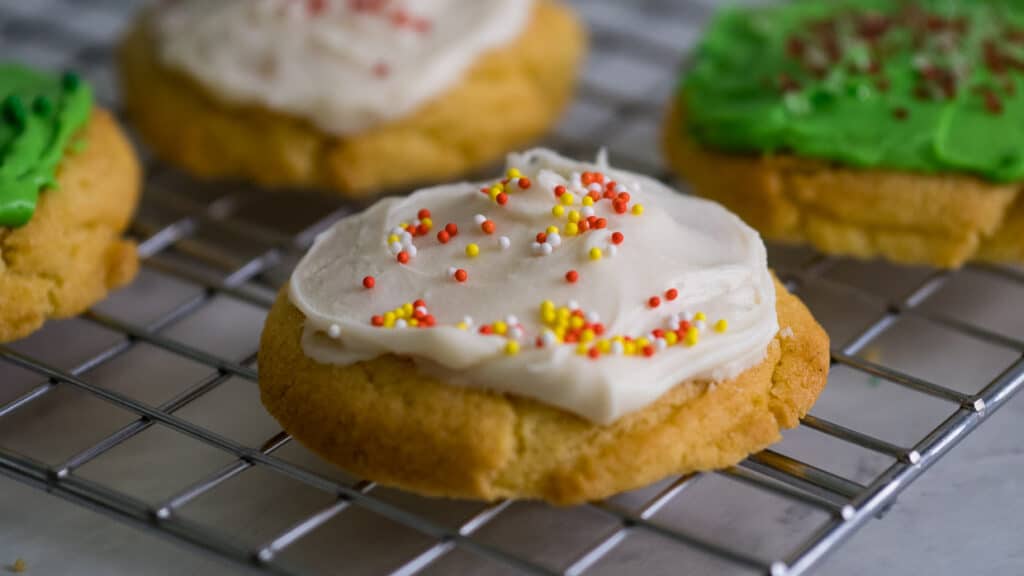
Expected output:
(343, 65)
(532, 286)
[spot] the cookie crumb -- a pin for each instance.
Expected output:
(786, 332)
(19, 566)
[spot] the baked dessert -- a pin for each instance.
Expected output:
(564, 333)
(864, 127)
(336, 93)
(69, 182)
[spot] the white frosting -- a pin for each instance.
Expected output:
(715, 261)
(342, 68)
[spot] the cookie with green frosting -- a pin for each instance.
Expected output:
(923, 89)
(40, 114)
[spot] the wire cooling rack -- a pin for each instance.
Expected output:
(146, 409)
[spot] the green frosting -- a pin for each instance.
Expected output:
(39, 115)
(918, 85)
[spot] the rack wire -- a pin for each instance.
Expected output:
(168, 366)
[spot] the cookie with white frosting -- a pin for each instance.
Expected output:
(566, 332)
(336, 93)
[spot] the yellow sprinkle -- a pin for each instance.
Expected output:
(574, 216)
(427, 223)
(641, 342)
(564, 312)
(547, 305)
(403, 224)
(472, 250)
(552, 229)
(557, 210)
(587, 335)
(512, 348)
(548, 316)
(604, 346)
(588, 201)
(722, 325)
(692, 336)
(576, 322)
(571, 229)
(462, 326)
(560, 333)
(389, 317)
(581, 348)
(407, 308)
(618, 339)
(514, 173)
(413, 322)
(629, 348)
(638, 209)
(495, 190)
(700, 316)
(671, 338)
(595, 253)
(392, 238)
(568, 199)
(500, 327)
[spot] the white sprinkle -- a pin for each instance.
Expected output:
(546, 249)
(611, 250)
(617, 348)
(701, 325)
(593, 317)
(576, 179)
(673, 321)
(401, 323)
(573, 305)
(594, 187)
(660, 344)
(395, 248)
(397, 231)
(535, 248)
(688, 316)
(555, 240)
(479, 219)
(411, 249)
(415, 222)
(421, 309)
(587, 211)
(451, 270)
(516, 332)
(334, 331)
(504, 242)
(511, 320)
(548, 338)
(468, 320)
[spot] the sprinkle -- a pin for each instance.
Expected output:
(594, 353)
(511, 348)
(611, 250)
(617, 347)
(617, 237)
(334, 331)
(600, 223)
(654, 302)
(700, 324)
(638, 209)
(504, 242)
(487, 226)
(494, 191)
(700, 316)
(467, 320)
(692, 336)
(443, 236)
(452, 229)
(573, 305)
(423, 214)
(426, 223)
(511, 320)
(587, 211)
(402, 323)
(620, 207)
(472, 250)
(671, 294)
(572, 276)
(568, 199)
(557, 210)
(542, 237)
(403, 257)
(588, 201)
(513, 173)
(595, 253)
(395, 248)
(671, 338)
(648, 350)
(461, 275)
(572, 229)
(574, 216)
(500, 327)
(479, 219)
(412, 250)
(377, 321)
(554, 239)
(501, 199)
(559, 191)
(369, 282)
(524, 183)
(722, 325)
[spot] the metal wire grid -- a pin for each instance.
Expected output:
(181, 233)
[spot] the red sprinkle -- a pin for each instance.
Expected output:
(429, 320)
(501, 199)
(658, 333)
(487, 226)
(377, 320)
(598, 328)
(572, 276)
(461, 275)
(620, 206)
(369, 282)
(423, 214)
(594, 353)
(403, 257)
(419, 304)
(600, 223)
(452, 229)
(583, 225)
(654, 302)
(617, 237)
(486, 329)
(594, 195)
(419, 314)
(525, 183)
(421, 230)
(624, 196)
(559, 190)
(443, 237)
(671, 294)
(541, 237)
(648, 350)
